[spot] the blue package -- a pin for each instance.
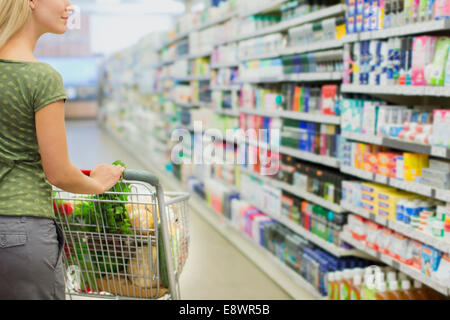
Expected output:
(306, 99)
(303, 143)
(366, 16)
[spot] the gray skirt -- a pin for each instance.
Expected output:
(31, 259)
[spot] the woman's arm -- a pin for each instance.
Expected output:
(51, 136)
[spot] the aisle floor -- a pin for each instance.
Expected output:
(215, 268)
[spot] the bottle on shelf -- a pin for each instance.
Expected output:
(355, 290)
(369, 288)
(346, 284)
(407, 293)
(420, 291)
(337, 285)
(393, 290)
(381, 292)
(331, 285)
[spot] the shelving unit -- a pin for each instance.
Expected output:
(402, 228)
(285, 276)
(408, 270)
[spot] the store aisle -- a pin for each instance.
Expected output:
(215, 269)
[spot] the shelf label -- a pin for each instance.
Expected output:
(439, 151)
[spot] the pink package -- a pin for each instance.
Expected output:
(422, 55)
(441, 9)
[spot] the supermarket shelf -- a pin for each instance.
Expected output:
(413, 187)
(430, 91)
(315, 46)
(299, 77)
(273, 6)
(231, 113)
(330, 247)
(285, 25)
(184, 104)
(410, 29)
(197, 55)
(408, 270)
(295, 191)
(192, 78)
(286, 278)
(226, 88)
(207, 25)
(302, 155)
(402, 228)
(293, 115)
(416, 147)
(260, 56)
(225, 65)
(319, 118)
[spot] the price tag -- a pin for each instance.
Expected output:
(439, 152)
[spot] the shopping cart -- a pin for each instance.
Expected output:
(129, 243)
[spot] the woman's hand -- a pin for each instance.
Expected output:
(107, 176)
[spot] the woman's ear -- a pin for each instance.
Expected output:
(32, 4)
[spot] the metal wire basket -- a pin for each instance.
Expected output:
(118, 245)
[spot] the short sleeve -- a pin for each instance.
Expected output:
(49, 87)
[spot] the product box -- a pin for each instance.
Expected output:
(422, 56)
(373, 230)
(430, 259)
(441, 128)
(416, 254)
(384, 240)
(401, 248)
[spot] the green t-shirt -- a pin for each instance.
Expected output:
(25, 88)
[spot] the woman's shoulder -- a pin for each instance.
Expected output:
(42, 70)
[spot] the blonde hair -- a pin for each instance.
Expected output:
(13, 16)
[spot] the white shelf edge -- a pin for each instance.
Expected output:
(311, 157)
(398, 90)
(320, 45)
(224, 65)
(410, 271)
(265, 8)
(298, 77)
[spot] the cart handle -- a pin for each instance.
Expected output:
(135, 175)
(141, 175)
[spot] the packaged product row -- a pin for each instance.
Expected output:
(421, 257)
(196, 91)
(315, 138)
(189, 67)
(225, 54)
(377, 283)
(173, 51)
(416, 61)
(310, 178)
(225, 100)
(261, 45)
(377, 15)
(423, 214)
(192, 20)
(419, 124)
(320, 31)
(276, 68)
(225, 77)
(403, 166)
(312, 99)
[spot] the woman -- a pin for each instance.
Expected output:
(34, 154)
